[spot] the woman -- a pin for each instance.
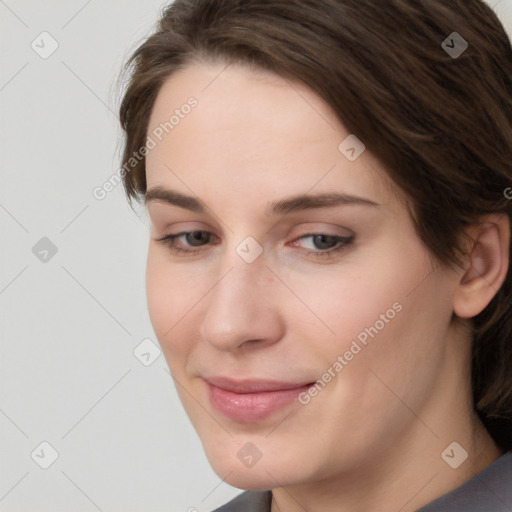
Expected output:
(328, 273)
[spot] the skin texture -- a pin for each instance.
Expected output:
(372, 438)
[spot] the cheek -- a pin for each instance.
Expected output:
(385, 311)
(357, 297)
(171, 293)
(399, 318)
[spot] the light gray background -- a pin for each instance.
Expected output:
(69, 325)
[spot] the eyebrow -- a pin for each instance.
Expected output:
(283, 206)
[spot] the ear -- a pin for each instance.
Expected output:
(488, 250)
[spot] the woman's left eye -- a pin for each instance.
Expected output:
(319, 244)
(323, 245)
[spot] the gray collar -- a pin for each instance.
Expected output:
(489, 491)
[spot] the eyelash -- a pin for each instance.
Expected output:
(344, 241)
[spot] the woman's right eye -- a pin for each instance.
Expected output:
(188, 239)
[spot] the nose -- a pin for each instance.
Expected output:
(242, 309)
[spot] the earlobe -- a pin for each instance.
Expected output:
(488, 262)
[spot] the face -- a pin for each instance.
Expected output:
(290, 294)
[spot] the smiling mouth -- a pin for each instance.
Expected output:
(252, 400)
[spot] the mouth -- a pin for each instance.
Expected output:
(252, 400)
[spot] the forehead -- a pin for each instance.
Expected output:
(252, 131)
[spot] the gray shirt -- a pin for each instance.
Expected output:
(488, 491)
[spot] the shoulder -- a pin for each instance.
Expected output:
(249, 501)
(490, 491)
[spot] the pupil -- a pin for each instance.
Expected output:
(324, 241)
(197, 238)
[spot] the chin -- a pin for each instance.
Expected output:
(269, 472)
(250, 481)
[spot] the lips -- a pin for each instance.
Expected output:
(252, 400)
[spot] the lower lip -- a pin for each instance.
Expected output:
(251, 407)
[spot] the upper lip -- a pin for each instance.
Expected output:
(252, 385)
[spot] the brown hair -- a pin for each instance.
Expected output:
(441, 125)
